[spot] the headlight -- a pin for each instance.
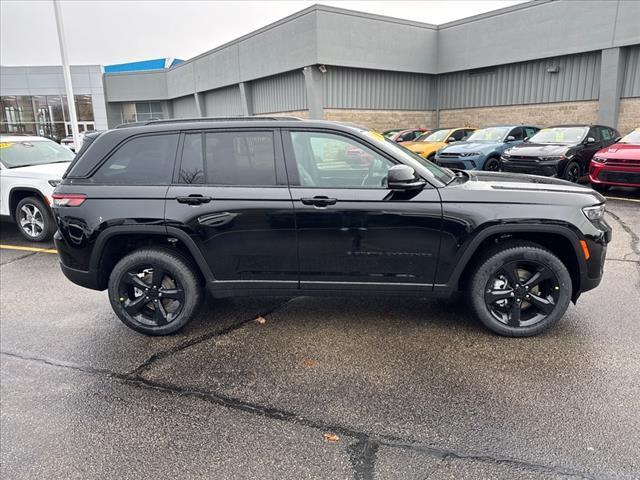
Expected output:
(551, 159)
(54, 183)
(594, 213)
(470, 154)
(599, 159)
(506, 153)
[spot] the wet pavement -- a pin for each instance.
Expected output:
(357, 388)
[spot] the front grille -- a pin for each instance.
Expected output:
(624, 162)
(454, 165)
(448, 155)
(522, 159)
(619, 177)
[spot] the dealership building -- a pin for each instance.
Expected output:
(542, 62)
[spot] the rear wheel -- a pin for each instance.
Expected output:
(572, 172)
(520, 289)
(492, 165)
(154, 291)
(34, 220)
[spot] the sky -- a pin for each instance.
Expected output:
(119, 31)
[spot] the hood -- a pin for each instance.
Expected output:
(502, 187)
(464, 147)
(539, 150)
(422, 146)
(626, 151)
(47, 171)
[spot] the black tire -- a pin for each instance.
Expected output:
(491, 165)
(176, 291)
(34, 220)
(572, 172)
(519, 310)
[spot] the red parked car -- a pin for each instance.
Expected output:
(405, 135)
(618, 164)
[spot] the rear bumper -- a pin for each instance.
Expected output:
(84, 278)
(603, 174)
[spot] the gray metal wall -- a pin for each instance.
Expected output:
(577, 78)
(377, 89)
(185, 107)
(223, 102)
(631, 80)
(280, 93)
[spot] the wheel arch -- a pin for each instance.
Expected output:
(558, 239)
(115, 242)
(17, 193)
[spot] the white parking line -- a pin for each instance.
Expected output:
(622, 198)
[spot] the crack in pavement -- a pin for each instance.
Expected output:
(136, 372)
(635, 239)
(362, 453)
(30, 254)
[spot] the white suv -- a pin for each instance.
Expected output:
(30, 169)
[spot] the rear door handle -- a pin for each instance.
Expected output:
(319, 201)
(194, 199)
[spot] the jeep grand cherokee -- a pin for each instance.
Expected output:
(271, 206)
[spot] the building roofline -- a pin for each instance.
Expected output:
(494, 13)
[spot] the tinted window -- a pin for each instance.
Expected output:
(595, 133)
(517, 133)
(334, 161)
(191, 167)
(530, 131)
(144, 160)
(240, 158)
(459, 135)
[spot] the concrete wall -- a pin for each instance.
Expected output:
(536, 114)
(185, 107)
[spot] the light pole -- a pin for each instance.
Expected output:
(66, 71)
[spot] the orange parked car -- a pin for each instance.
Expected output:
(428, 144)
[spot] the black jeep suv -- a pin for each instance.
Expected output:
(563, 151)
(271, 206)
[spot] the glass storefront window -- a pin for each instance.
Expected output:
(141, 111)
(42, 115)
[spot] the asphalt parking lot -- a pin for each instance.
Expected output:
(318, 388)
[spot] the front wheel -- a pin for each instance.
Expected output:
(572, 172)
(520, 289)
(492, 165)
(154, 291)
(34, 220)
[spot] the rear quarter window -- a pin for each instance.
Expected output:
(145, 160)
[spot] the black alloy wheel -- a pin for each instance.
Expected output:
(151, 295)
(155, 291)
(492, 165)
(572, 172)
(522, 293)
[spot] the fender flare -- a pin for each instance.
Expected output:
(11, 207)
(472, 247)
(156, 230)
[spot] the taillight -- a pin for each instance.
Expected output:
(68, 199)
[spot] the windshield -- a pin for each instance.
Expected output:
(437, 136)
(562, 135)
(632, 137)
(490, 134)
(33, 152)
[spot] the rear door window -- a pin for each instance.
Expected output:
(145, 160)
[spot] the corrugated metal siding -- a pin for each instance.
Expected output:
(578, 78)
(223, 102)
(280, 93)
(185, 107)
(631, 82)
(377, 89)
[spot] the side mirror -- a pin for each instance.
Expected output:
(403, 177)
(511, 138)
(526, 139)
(590, 140)
(451, 139)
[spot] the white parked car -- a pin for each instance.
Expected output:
(30, 169)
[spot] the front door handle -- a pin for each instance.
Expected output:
(319, 201)
(194, 199)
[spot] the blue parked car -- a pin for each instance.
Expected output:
(482, 150)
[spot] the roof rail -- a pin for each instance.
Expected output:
(203, 119)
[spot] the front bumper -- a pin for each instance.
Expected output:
(532, 167)
(462, 163)
(603, 174)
